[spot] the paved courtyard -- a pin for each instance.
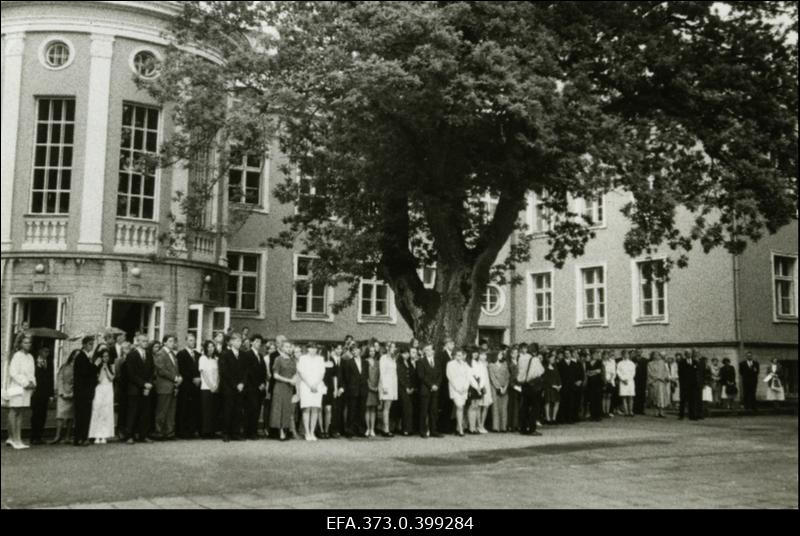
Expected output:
(748, 462)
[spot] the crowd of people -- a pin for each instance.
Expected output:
(240, 386)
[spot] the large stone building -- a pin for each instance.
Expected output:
(81, 226)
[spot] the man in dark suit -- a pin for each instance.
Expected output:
(255, 383)
(640, 381)
(406, 388)
(85, 381)
(355, 377)
(337, 398)
(187, 421)
(571, 381)
(444, 356)
(40, 399)
(748, 372)
(232, 381)
(429, 372)
(689, 374)
(167, 381)
(138, 373)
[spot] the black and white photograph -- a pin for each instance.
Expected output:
(399, 264)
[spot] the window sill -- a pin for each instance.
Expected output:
(593, 324)
(241, 313)
(542, 325)
(310, 317)
(376, 320)
(48, 215)
(244, 207)
(644, 321)
(785, 320)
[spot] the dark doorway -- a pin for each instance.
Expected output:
(130, 317)
(494, 336)
(42, 313)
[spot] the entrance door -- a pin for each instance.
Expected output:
(493, 336)
(38, 313)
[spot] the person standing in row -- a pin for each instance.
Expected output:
(727, 380)
(445, 405)
(232, 378)
(459, 381)
(331, 422)
(514, 389)
(626, 372)
(208, 367)
(658, 380)
(255, 383)
(101, 427)
(674, 379)
(311, 388)
(65, 407)
(40, 399)
(487, 399)
(530, 379)
(355, 375)
(610, 374)
(499, 379)
(168, 381)
(138, 374)
(571, 382)
(187, 407)
(373, 378)
(19, 389)
(429, 372)
(552, 390)
(690, 373)
(748, 372)
(387, 387)
(640, 398)
(595, 384)
(284, 373)
(123, 348)
(85, 379)
(406, 388)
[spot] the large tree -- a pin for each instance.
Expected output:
(402, 115)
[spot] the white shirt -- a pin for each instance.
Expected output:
(209, 374)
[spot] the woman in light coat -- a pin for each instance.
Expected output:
(65, 408)
(626, 372)
(658, 380)
(387, 386)
(310, 388)
(459, 380)
(499, 377)
(21, 383)
(774, 381)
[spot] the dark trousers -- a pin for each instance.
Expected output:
(570, 397)
(210, 413)
(83, 416)
(446, 423)
(639, 399)
(513, 409)
(232, 402)
(407, 407)
(138, 416)
(596, 402)
(39, 406)
(165, 415)
(252, 405)
(337, 416)
(749, 395)
(187, 412)
(529, 408)
(428, 411)
(122, 412)
(356, 411)
(690, 398)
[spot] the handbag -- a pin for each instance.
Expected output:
(474, 394)
(707, 394)
(731, 390)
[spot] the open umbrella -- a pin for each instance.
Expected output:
(46, 333)
(114, 331)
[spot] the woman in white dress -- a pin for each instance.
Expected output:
(208, 366)
(101, 426)
(21, 380)
(488, 399)
(311, 372)
(626, 372)
(459, 380)
(773, 379)
(387, 386)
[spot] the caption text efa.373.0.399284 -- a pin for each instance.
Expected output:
(399, 523)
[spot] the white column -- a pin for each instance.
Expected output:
(94, 172)
(12, 59)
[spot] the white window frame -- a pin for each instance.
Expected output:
(51, 39)
(389, 318)
(579, 305)
(226, 311)
(263, 186)
(156, 332)
(198, 331)
(235, 272)
(580, 207)
(637, 315)
(261, 286)
(501, 300)
(421, 273)
(329, 297)
(132, 63)
(776, 317)
(530, 313)
(47, 168)
(157, 185)
(532, 214)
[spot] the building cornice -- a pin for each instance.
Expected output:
(69, 255)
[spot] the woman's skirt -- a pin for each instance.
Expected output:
(282, 411)
(552, 396)
(660, 394)
(65, 408)
(775, 395)
(372, 399)
(102, 423)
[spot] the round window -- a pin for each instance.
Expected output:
(145, 64)
(57, 54)
(492, 300)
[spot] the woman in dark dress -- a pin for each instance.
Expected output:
(331, 381)
(595, 384)
(727, 380)
(552, 389)
(284, 371)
